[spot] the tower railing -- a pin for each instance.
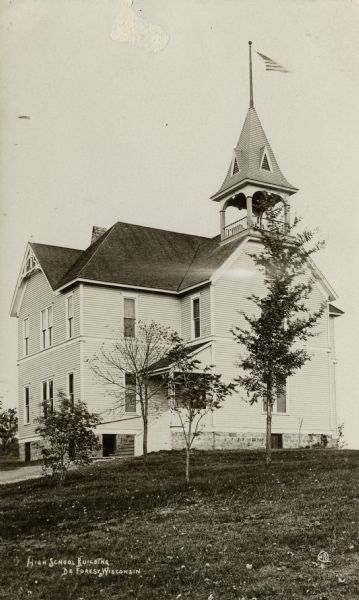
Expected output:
(260, 222)
(235, 227)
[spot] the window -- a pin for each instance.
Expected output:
(129, 317)
(196, 318)
(130, 393)
(71, 388)
(235, 167)
(276, 441)
(26, 337)
(47, 400)
(281, 404)
(46, 327)
(265, 162)
(70, 316)
(26, 405)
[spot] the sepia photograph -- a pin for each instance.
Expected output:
(179, 283)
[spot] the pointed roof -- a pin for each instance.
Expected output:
(248, 153)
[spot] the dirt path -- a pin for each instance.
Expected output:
(20, 474)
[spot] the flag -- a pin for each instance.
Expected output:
(271, 65)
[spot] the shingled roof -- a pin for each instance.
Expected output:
(138, 256)
(248, 154)
(55, 261)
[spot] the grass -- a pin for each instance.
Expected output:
(238, 532)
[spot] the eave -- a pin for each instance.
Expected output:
(237, 186)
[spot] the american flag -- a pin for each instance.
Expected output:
(271, 65)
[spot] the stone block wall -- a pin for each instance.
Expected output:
(232, 440)
(35, 451)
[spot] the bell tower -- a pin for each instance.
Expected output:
(253, 175)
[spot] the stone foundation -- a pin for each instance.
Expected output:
(232, 440)
(35, 451)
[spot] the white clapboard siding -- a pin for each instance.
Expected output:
(231, 290)
(240, 280)
(205, 305)
(308, 397)
(332, 334)
(53, 364)
(103, 310)
(309, 391)
(39, 295)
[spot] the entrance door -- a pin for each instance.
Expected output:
(108, 444)
(27, 451)
(276, 441)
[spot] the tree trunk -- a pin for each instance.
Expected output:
(188, 447)
(269, 425)
(187, 463)
(145, 436)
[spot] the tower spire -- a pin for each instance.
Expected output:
(251, 105)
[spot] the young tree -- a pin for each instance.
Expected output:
(271, 338)
(8, 428)
(127, 367)
(196, 392)
(67, 435)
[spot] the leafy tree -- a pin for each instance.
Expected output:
(67, 435)
(8, 428)
(271, 337)
(127, 366)
(196, 391)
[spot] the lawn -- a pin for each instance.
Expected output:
(239, 531)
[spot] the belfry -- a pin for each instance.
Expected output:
(253, 176)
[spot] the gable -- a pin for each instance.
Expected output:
(51, 261)
(224, 270)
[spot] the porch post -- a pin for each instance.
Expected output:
(222, 214)
(249, 211)
(286, 216)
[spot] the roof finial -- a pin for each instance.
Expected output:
(251, 105)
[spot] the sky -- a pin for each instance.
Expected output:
(134, 110)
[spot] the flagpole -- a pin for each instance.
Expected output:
(251, 105)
